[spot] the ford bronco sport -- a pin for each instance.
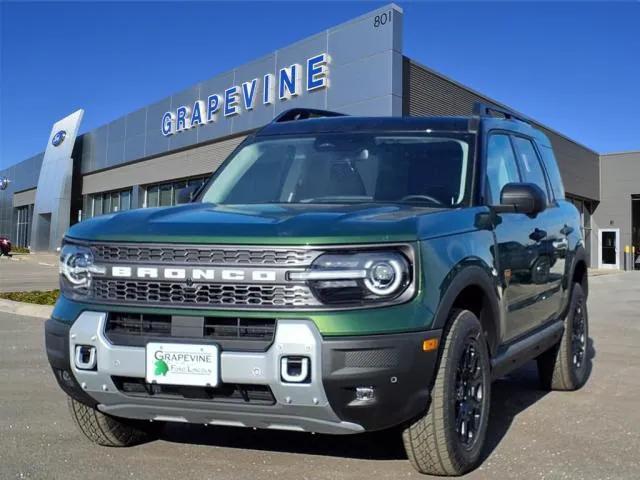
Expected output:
(335, 275)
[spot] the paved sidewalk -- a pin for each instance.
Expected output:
(26, 309)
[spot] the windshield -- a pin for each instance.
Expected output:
(346, 168)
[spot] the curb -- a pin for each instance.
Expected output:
(26, 309)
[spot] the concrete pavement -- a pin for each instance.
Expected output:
(593, 433)
(22, 273)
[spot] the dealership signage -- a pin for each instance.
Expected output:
(289, 82)
(58, 138)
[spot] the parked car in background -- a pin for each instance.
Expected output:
(5, 246)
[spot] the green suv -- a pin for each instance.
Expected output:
(335, 275)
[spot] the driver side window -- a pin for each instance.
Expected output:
(501, 166)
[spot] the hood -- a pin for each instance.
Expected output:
(257, 224)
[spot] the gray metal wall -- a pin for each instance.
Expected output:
(430, 93)
(186, 163)
(23, 176)
(365, 78)
(619, 179)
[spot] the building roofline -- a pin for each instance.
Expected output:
(499, 104)
(624, 152)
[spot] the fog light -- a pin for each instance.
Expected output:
(295, 369)
(85, 357)
(365, 394)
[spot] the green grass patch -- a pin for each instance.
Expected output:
(48, 297)
(19, 250)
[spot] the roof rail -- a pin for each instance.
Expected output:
(304, 114)
(484, 110)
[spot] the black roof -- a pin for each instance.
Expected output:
(355, 124)
(345, 123)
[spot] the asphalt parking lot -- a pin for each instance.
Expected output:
(28, 272)
(592, 434)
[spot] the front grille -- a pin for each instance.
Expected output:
(201, 295)
(138, 324)
(136, 329)
(203, 255)
(225, 393)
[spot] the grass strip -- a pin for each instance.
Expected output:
(37, 297)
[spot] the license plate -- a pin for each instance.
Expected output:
(182, 364)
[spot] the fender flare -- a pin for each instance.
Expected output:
(471, 275)
(580, 255)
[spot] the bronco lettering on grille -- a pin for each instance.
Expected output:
(199, 274)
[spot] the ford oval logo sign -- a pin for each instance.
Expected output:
(4, 183)
(58, 138)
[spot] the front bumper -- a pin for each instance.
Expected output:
(393, 364)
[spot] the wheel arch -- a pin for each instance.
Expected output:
(472, 288)
(579, 271)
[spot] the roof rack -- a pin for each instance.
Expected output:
(485, 110)
(295, 114)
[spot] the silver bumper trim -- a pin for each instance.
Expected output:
(302, 407)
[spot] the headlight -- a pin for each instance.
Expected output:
(76, 268)
(357, 278)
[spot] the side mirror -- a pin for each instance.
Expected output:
(527, 198)
(186, 194)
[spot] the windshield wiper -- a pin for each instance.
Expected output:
(338, 199)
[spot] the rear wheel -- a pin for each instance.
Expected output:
(565, 366)
(111, 431)
(448, 440)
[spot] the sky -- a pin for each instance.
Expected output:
(574, 66)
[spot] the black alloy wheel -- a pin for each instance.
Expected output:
(578, 336)
(469, 392)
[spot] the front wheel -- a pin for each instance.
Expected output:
(110, 431)
(448, 440)
(565, 366)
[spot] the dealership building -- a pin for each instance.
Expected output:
(144, 158)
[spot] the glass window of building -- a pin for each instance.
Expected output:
(23, 225)
(108, 202)
(153, 195)
(167, 194)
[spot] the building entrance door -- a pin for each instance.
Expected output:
(608, 253)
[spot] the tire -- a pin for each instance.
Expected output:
(110, 431)
(434, 442)
(565, 366)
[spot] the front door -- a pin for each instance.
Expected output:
(608, 254)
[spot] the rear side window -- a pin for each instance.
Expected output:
(551, 166)
(501, 166)
(530, 163)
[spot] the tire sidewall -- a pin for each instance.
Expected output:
(465, 325)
